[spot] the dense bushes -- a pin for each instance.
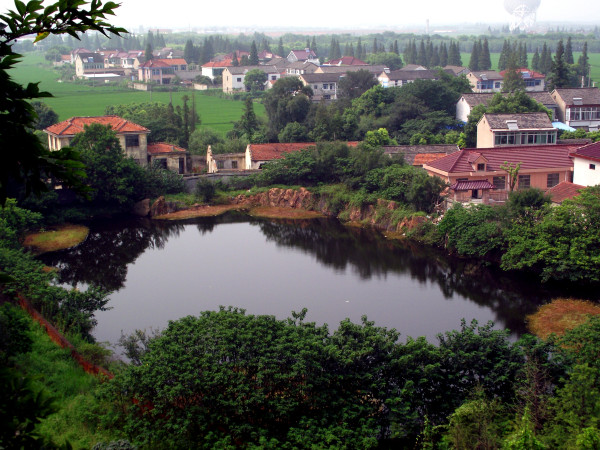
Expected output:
(557, 243)
(227, 379)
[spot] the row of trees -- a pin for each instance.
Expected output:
(430, 55)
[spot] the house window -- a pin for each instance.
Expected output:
(481, 167)
(552, 180)
(592, 166)
(220, 164)
(132, 141)
(234, 164)
(524, 181)
(162, 163)
(239, 79)
(316, 86)
(273, 77)
(325, 86)
(499, 183)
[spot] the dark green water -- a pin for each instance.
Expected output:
(160, 271)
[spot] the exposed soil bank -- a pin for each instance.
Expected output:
(59, 238)
(277, 203)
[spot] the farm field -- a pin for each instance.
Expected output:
(79, 100)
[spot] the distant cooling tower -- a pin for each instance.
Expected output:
(522, 12)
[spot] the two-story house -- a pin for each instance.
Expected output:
(485, 81)
(470, 100)
(132, 137)
(478, 175)
(324, 85)
(500, 130)
(578, 107)
(157, 71)
(534, 81)
(233, 77)
(88, 63)
(401, 77)
(303, 55)
(586, 165)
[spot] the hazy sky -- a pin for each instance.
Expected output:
(335, 14)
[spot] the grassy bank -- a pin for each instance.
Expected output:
(60, 238)
(79, 416)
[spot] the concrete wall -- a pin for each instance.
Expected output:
(583, 174)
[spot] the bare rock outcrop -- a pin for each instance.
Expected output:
(161, 206)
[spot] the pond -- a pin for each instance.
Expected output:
(160, 271)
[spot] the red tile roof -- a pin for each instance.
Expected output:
(74, 125)
(268, 152)
(426, 158)
(155, 63)
(346, 61)
(524, 70)
(162, 147)
(224, 63)
(563, 191)
(590, 151)
(531, 157)
(173, 61)
(469, 185)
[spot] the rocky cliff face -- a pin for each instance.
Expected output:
(304, 199)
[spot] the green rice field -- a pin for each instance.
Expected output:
(72, 99)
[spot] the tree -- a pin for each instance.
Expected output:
(475, 56)
(287, 101)
(33, 163)
(485, 62)
(390, 60)
(560, 74)
(248, 123)
(513, 80)
(513, 173)
(535, 61)
(45, 115)
(253, 58)
(255, 80)
(569, 52)
(115, 179)
(280, 50)
(148, 55)
(583, 64)
(354, 84)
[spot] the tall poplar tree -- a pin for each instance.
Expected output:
(569, 52)
(535, 61)
(475, 52)
(443, 54)
(280, 49)
(559, 75)
(253, 58)
(485, 61)
(583, 65)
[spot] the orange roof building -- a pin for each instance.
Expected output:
(132, 137)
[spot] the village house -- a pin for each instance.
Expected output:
(578, 107)
(470, 100)
(88, 63)
(233, 77)
(476, 175)
(132, 137)
(225, 162)
(345, 61)
(324, 85)
(303, 55)
(156, 71)
(300, 68)
(534, 81)
(413, 67)
(586, 165)
(374, 70)
(457, 70)
(563, 191)
(401, 77)
(168, 156)
(214, 69)
(418, 155)
(499, 130)
(485, 81)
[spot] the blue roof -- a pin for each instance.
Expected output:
(562, 126)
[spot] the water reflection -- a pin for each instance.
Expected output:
(104, 258)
